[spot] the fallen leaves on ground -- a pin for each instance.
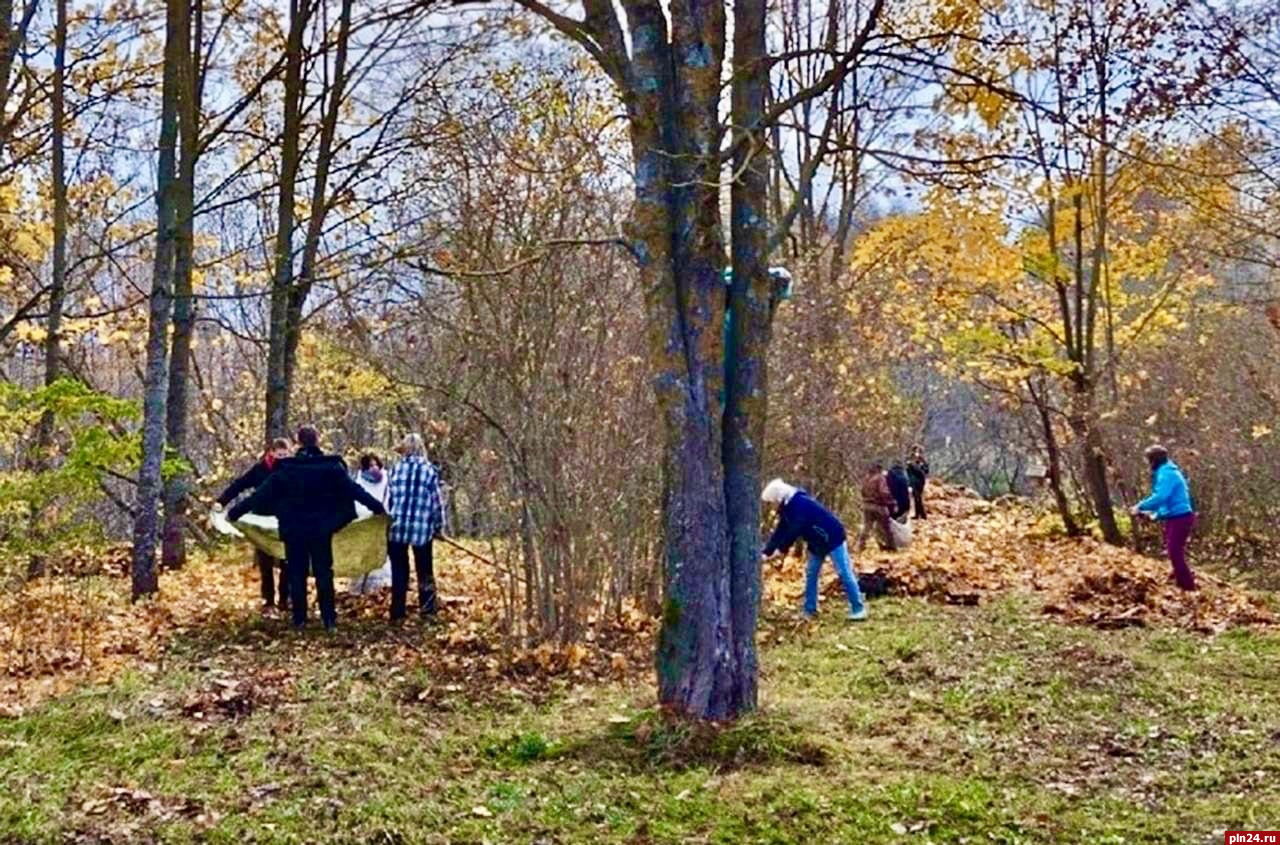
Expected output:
(970, 549)
(57, 633)
(60, 632)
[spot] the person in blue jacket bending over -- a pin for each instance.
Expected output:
(800, 516)
(1170, 505)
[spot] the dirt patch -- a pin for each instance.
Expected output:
(655, 741)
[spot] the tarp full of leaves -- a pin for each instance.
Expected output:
(358, 548)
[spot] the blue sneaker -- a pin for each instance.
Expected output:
(858, 615)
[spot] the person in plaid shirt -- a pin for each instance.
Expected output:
(417, 516)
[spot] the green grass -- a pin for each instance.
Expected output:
(927, 724)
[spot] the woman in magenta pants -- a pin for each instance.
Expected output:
(1170, 504)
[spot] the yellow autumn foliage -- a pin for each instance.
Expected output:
(976, 278)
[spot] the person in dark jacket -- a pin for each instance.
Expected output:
(313, 497)
(800, 516)
(917, 472)
(250, 481)
(900, 487)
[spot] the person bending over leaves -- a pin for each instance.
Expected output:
(877, 504)
(802, 516)
(900, 487)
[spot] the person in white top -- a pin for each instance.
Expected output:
(373, 479)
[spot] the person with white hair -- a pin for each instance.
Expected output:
(417, 514)
(801, 516)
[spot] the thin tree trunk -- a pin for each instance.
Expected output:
(319, 201)
(1096, 477)
(155, 376)
(1094, 463)
(277, 416)
(177, 489)
(12, 36)
(58, 282)
(1053, 452)
(1101, 261)
(8, 52)
(58, 286)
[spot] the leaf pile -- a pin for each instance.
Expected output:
(60, 632)
(970, 549)
(468, 651)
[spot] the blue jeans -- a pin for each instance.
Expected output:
(844, 569)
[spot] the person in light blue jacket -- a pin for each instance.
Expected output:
(1170, 504)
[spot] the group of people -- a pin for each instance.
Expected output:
(889, 494)
(886, 495)
(313, 496)
(801, 516)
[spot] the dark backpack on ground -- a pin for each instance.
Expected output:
(873, 584)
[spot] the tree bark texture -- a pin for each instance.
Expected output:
(711, 396)
(58, 280)
(277, 416)
(751, 305)
(177, 489)
(146, 524)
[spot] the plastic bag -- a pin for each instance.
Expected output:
(372, 582)
(901, 532)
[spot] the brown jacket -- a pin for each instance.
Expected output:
(876, 497)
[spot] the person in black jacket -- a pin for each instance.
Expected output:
(900, 487)
(250, 481)
(800, 516)
(313, 497)
(917, 472)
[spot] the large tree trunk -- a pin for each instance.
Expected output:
(277, 417)
(155, 376)
(746, 354)
(177, 489)
(712, 409)
(673, 97)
